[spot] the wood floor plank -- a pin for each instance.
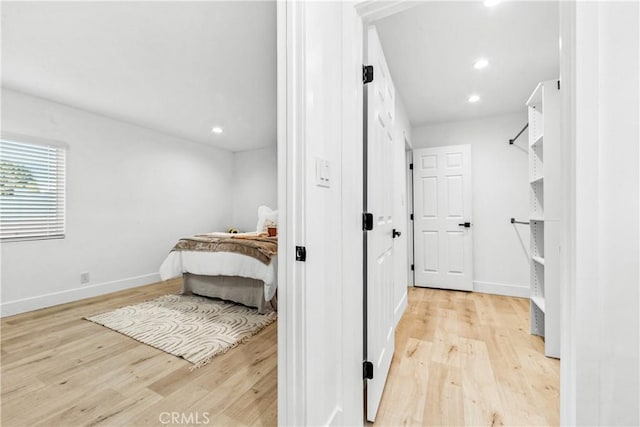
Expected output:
(461, 358)
(268, 415)
(86, 407)
(481, 399)
(249, 406)
(121, 413)
(444, 399)
(408, 386)
(483, 367)
(178, 402)
(59, 369)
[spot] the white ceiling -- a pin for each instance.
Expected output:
(431, 48)
(177, 67)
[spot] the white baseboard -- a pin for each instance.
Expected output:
(502, 289)
(10, 308)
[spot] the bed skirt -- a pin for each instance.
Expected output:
(243, 290)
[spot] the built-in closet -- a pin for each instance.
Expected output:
(545, 204)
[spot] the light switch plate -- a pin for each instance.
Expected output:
(323, 175)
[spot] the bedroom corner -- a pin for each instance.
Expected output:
(139, 213)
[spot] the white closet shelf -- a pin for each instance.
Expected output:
(544, 113)
(538, 259)
(536, 180)
(538, 301)
(537, 141)
(535, 100)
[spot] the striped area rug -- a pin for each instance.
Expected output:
(188, 326)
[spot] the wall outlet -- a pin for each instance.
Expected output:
(84, 278)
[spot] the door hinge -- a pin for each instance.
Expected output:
(367, 370)
(411, 166)
(413, 267)
(411, 217)
(558, 84)
(367, 74)
(301, 253)
(367, 221)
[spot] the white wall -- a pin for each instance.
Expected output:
(600, 370)
(402, 118)
(500, 191)
(131, 193)
(255, 176)
(322, 208)
(320, 113)
(401, 132)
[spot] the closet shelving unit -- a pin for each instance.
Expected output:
(544, 200)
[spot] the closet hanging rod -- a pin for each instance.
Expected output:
(511, 141)
(513, 221)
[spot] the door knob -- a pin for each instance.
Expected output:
(395, 233)
(465, 225)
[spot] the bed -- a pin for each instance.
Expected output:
(236, 267)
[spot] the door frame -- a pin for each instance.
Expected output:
(291, 371)
(370, 11)
(411, 249)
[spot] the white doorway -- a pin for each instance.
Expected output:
(583, 25)
(443, 218)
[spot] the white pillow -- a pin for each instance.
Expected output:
(266, 218)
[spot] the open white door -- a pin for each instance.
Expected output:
(442, 217)
(380, 254)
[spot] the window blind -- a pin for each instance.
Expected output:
(32, 190)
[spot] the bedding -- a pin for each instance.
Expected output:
(206, 263)
(266, 218)
(240, 267)
(259, 247)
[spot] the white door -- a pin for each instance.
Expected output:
(380, 255)
(442, 217)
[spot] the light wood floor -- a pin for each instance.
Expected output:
(468, 359)
(60, 370)
(461, 358)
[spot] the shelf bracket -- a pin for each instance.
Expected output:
(511, 141)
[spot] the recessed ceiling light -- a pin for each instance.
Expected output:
(491, 3)
(474, 98)
(216, 129)
(480, 63)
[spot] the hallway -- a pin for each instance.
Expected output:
(468, 359)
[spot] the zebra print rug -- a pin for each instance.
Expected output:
(188, 326)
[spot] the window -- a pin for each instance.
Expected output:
(32, 189)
